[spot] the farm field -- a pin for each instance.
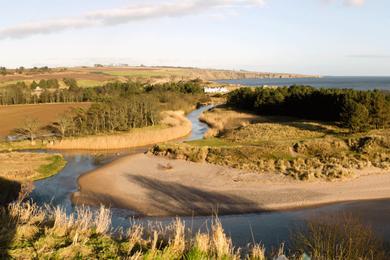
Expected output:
(97, 76)
(12, 117)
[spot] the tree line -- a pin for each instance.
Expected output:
(21, 93)
(356, 110)
(116, 107)
(108, 117)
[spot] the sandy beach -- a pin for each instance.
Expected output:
(155, 186)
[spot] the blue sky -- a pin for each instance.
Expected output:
(327, 37)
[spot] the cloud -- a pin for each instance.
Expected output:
(116, 16)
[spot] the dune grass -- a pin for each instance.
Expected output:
(297, 148)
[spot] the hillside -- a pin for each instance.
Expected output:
(97, 76)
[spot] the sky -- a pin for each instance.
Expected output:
(324, 37)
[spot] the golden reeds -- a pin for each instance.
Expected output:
(174, 125)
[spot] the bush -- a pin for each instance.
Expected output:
(338, 237)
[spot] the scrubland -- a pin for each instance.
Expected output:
(293, 147)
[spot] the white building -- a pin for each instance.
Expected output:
(215, 90)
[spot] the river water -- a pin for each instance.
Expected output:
(269, 228)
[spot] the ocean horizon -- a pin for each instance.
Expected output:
(342, 82)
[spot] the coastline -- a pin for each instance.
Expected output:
(154, 186)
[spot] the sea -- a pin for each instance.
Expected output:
(358, 83)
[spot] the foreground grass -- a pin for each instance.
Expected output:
(31, 232)
(297, 148)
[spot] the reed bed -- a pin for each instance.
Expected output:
(173, 126)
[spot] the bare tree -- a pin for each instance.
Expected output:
(30, 128)
(64, 124)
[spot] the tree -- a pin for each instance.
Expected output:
(355, 116)
(71, 83)
(64, 125)
(30, 128)
(20, 70)
(380, 111)
(3, 71)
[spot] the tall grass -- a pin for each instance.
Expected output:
(342, 237)
(31, 232)
(174, 125)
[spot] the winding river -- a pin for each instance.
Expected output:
(269, 228)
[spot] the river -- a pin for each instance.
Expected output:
(269, 228)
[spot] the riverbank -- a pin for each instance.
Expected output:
(26, 166)
(173, 126)
(155, 186)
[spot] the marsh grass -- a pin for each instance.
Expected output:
(56, 163)
(24, 167)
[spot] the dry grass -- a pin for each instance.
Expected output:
(14, 116)
(173, 126)
(31, 232)
(222, 119)
(297, 148)
(29, 166)
(28, 231)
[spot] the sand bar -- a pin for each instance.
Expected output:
(155, 186)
